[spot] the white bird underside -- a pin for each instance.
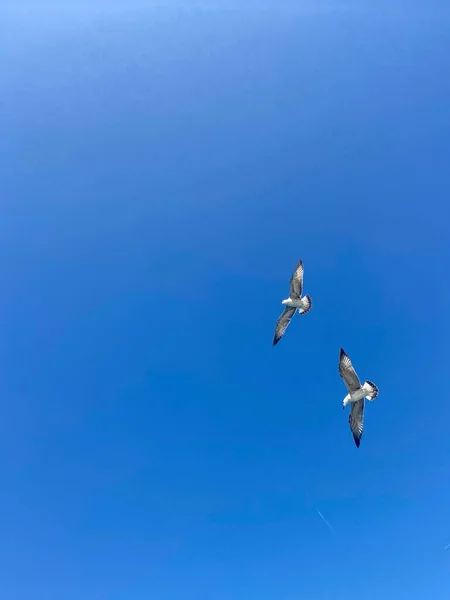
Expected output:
(365, 391)
(294, 302)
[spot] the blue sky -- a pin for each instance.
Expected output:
(163, 169)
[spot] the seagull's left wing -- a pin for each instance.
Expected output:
(348, 373)
(356, 420)
(283, 321)
(296, 282)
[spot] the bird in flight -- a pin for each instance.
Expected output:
(357, 394)
(293, 303)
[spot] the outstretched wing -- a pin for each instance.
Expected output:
(348, 373)
(283, 321)
(296, 282)
(356, 420)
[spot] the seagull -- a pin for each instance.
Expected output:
(356, 395)
(293, 303)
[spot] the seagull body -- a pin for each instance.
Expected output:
(295, 302)
(357, 394)
(364, 391)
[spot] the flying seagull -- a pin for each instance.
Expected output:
(356, 395)
(293, 303)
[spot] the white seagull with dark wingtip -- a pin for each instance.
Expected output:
(293, 303)
(356, 395)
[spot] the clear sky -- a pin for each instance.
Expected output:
(162, 171)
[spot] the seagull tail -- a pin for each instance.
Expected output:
(307, 303)
(372, 389)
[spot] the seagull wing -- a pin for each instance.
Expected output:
(348, 373)
(296, 282)
(356, 420)
(283, 321)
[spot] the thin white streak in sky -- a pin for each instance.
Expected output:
(326, 522)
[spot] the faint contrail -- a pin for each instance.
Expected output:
(447, 546)
(326, 522)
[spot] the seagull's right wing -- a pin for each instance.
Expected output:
(356, 420)
(296, 282)
(283, 321)
(348, 373)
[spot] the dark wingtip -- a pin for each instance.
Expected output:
(357, 441)
(275, 341)
(342, 352)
